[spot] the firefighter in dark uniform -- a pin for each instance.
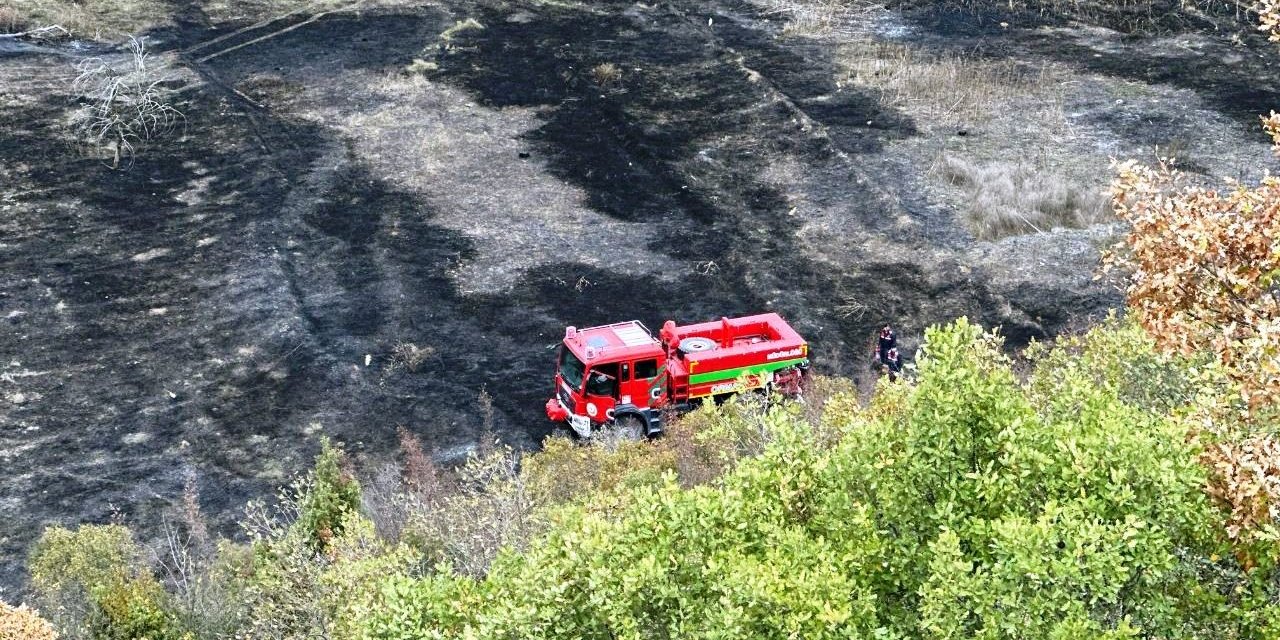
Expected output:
(894, 364)
(887, 341)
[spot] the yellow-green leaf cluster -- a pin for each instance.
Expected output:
(21, 623)
(94, 582)
(1269, 16)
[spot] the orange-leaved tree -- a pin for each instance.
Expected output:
(1269, 16)
(1203, 269)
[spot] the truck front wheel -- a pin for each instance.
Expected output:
(630, 427)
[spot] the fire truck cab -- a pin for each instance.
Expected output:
(620, 375)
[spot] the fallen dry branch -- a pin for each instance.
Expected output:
(283, 31)
(50, 32)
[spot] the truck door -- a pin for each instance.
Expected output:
(602, 391)
(648, 387)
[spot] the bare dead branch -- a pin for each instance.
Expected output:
(123, 108)
(50, 32)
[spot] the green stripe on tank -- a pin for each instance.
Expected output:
(732, 374)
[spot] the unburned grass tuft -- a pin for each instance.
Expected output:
(812, 17)
(460, 27)
(1131, 16)
(96, 19)
(10, 20)
(410, 357)
(606, 74)
(1008, 198)
(945, 89)
(253, 10)
(421, 67)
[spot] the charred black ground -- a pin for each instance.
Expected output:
(211, 312)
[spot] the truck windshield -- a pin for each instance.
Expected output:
(570, 369)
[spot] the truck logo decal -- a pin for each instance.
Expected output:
(789, 353)
(658, 382)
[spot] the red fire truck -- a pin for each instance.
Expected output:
(620, 376)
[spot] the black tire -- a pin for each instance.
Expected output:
(630, 427)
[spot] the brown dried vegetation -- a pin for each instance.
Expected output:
(21, 623)
(1203, 269)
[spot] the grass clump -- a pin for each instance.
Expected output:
(1130, 16)
(409, 356)
(810, 17)
(606, 74)
(92, 19)
(448, 36)
(945, 89)
(1006, 198)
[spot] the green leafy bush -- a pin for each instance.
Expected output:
(289, 590)
(327, 497)
(95, 584)
(968, 505)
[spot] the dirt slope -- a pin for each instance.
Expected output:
(241, 290)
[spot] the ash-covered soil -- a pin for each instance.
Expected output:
(242, 290)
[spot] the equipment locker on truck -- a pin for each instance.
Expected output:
(621, 376)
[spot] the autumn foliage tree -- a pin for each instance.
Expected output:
(1269, 16)
(1203, 277)
(1203, 270)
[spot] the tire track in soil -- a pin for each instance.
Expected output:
(684, 145)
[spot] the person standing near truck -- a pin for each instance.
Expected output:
(886, 341)
(894, 363)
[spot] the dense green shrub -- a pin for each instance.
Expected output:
(327, 497)
(289, 590)
(94, 584)
(967, 506)
(314, 563)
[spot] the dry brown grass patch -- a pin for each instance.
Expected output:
(814, 17)
(947, 89)
(606, 74)
(10, 20)
(1011, 198)
(460, 27)
(97, 19)
(410, 357)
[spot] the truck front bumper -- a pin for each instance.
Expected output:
(556, 411)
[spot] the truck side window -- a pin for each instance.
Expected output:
(603, 380)
(646, 369)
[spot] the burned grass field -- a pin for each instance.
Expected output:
(368, 218)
